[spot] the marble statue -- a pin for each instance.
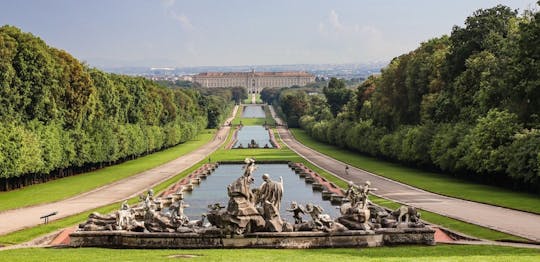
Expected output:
(269, 198)
(241, 207)
(297, 210)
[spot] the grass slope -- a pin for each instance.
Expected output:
(74, 185)
(429, 181)
(402, 253)
(25, 235)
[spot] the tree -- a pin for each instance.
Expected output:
(488, 140)
(294, 104)
(239, 94)
(337, 95)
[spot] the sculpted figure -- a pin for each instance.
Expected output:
(315, 211)
(366, 189)
(323, 221)
(177, 213)
(406, 214)
(241, 210)
(297, 210)
(353, 194)
(124, 217)
(269, 198)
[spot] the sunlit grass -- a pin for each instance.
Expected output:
(401, 253)
(34, 232)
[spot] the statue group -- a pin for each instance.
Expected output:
(252, 210)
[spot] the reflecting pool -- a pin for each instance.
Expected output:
(214, 190)
(254, 111)
(257, 133)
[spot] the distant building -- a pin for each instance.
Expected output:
(253, 81)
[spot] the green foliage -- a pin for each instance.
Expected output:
(337, 95)
(70, 186)
(524, 157)
(57, 115)
(294, 105)
(239, 94)
(467, 103)
(270, 95)
(488, 140)
(428, 180)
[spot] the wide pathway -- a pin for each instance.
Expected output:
(523, 224)
(16, 219)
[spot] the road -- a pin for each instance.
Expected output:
(523, 224)
(17, 219)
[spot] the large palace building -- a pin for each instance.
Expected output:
(253, 81)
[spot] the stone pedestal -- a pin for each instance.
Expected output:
(352, 238)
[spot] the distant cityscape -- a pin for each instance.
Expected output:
(321, 71)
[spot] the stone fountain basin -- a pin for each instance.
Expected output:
(351, 238)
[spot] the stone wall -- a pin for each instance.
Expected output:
(353, 238)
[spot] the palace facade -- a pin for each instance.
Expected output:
(253, 81)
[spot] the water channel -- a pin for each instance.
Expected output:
(214, 190)
(257, 133)
(254, 111)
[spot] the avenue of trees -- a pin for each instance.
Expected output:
(467, 104)
(58, 117)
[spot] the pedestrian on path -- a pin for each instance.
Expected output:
(346, 170)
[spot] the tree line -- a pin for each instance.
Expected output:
(467, 104)
(59, 117)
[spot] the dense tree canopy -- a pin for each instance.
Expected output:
(59, 117)
(467, 103)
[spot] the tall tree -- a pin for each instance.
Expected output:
(337, 95)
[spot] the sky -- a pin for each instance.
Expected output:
(175, 33)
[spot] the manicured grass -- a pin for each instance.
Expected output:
(25, 235)
(429, 181)
(402, 253)
(74, 185)
(269, 119)
(250, 121)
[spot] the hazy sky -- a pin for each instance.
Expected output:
(249, 32)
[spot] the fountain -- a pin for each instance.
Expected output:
(252, 218)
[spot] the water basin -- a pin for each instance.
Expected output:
(254, 111)
(214, 190)
(257, 133)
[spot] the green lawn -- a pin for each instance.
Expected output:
(74, 185)
(429, 181)
(402, 253)
(25, 235)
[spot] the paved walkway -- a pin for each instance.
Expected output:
(514, 222)
(16, 219)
